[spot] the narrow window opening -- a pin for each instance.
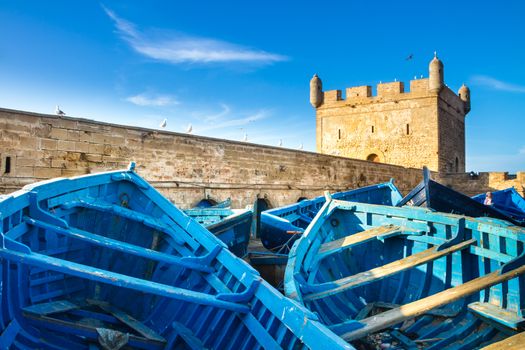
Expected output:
(7, 169)
(408, 129)
(339, 134)
(457, 165)
(372, 129)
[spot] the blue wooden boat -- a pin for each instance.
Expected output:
(232, 226)
(507, 201)
(210, 203)
(410, 278)
(281, 227)
(431, 194)
(106, 262)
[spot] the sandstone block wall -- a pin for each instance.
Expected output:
(411, 129)
(185, 168)
(483, 182)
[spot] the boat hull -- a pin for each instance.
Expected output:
(431, 194)
(105, 261)
(233, 227)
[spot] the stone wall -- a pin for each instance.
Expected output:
(185, 168)
(483, 182)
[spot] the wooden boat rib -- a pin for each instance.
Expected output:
(281, 227)
(414, 277)
(105, 262)
(431, 194)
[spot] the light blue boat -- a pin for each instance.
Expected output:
(232, 226)
(104, 261)
(410, 278)
(281, 227)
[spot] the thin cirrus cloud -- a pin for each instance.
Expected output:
(152, 100)
(181, 48)
(493, 83)
(226, 120)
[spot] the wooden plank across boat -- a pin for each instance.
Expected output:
(410, 277)
(106, 262)
(281, 227)
(431, 194)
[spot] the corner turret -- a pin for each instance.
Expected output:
(436, 75)
(464, 95)
(316, 91)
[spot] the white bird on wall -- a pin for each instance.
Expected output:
(58, 111)
(245, 138)
(301, 146)
(164, 123)
(189, 129)
(280, 142)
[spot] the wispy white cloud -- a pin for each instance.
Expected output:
(225, 122)
(145, 99)
(217, 116)
(483, 80)
(182, 48)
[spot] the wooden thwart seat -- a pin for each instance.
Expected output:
(497, 314)
(357, 238)
(515, 342)
(408, 311)
(381, 272)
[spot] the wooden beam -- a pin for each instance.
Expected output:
(384, 271)
(421, 306)
(357, 238)
(516, 342)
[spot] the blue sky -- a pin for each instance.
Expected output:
(241, 67)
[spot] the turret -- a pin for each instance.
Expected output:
(316, 91)
(464, 95)
(436, 75)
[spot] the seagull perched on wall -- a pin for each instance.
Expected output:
(164, 123)
(409, 57)
(301, 146)
(280, 142)
(245, 138)
(58, 111)
(189, 129)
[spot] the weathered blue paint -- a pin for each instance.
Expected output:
(101, 260)
(508, 201)
(431, 194)
(425, 279)
(231, 226)
(281, 227)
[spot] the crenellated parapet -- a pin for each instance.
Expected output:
(432, 86)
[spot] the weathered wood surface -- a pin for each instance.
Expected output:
(394, 267)
(357, 238)
(516, 342)
(421, 306)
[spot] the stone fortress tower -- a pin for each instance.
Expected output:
(425, 126)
